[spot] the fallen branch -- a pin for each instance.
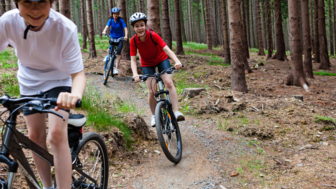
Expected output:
(329, 185)
(255, 108)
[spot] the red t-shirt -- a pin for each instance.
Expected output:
(151, 54)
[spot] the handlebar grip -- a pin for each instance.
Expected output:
(53, 101)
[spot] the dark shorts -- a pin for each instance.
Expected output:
(120, 46)
(52, 93)
(151, 70)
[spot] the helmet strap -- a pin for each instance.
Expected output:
(26, 31)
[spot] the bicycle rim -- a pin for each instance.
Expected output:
(92, 158)
(168, 133)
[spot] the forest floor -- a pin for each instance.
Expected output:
(261, 139)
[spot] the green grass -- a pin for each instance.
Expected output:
(319, 118)
(182, 83)
(100, 43)
(324, 73)
(7, 59)
(195, 46)
(10, 84)
(102, 113)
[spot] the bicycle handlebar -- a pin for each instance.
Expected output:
(168, 71)
(7, 101)
(119, 39)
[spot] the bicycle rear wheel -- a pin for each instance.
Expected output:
(168, 133)
(92, 158)
(108, 70)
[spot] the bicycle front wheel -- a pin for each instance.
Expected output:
(107, 70)
(92, 158)
(168, 133)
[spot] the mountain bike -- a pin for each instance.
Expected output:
(167, 128)
(109, 62)
(88, 151)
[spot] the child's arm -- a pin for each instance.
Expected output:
(134, 69)
(104, 32)
(126, 33)
(172, 55)
(69, 100)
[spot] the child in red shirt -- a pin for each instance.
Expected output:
(153, 52)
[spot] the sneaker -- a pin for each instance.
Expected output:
(179, 116)
(115, 71)
(153, 121)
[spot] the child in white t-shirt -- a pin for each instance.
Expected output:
(50, 61)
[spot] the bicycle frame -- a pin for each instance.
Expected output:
(11, 146)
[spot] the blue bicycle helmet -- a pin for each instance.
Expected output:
(115, 10)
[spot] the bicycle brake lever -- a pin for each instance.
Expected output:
(52, 112)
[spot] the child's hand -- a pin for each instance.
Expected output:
(136, 78)
(178, 65)
(66, 101)
(125, 38)
(104, 33)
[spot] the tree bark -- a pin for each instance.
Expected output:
(167, 35)
(208, 24)
(212, 23)
(99, 19)
(8, 5)
(92, 52)
(198, 22)
(244, 37)
(153, 16)
(2, 7)
(141, 5)
(238, 81)
(83, 19)
(296, 77)
(307, 64)
(331, 37)
(260, 38)
(251, 25)
(269, 29)
(316, 40)
(324, 57)
(65, 8)
(190, 20)
(280, 40)
(125, 53)
(183, 31)
(312, 24)
(226, 46)
(179, 45)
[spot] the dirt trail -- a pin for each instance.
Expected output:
(201, 165)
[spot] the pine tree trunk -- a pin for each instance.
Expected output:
(71, 10)
(260, 38)
(269, 29)
(83, 18)
(331, 39)
(280, 40)
(226, 46)
(212, 22)
(208, 24)
(190, 20)
(153, 16)
(141, 6)
(92, 52)
(316, 39)
(251, 25)
(312, 24)
(325, 63)
(8, 5)
(238, 81)
(199, 33)
(244, 37)
(64, 8)
(99, 19)
(183, 31)
(296, 77)
(179, 45)
(167, 35)
(2, 7)
(247, 23)
(203, 21)
(125, 52)
(307, 64)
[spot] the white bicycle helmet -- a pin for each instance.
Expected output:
(137, 16)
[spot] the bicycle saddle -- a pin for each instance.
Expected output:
(76, 120)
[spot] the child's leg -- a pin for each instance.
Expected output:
(117, 61)
(168, 81)
(36, 124)
(151, 85)
(58, 139)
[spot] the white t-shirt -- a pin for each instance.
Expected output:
(47, 57)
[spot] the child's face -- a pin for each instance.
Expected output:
(115, 15)
(140, 28)
(35, 12)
